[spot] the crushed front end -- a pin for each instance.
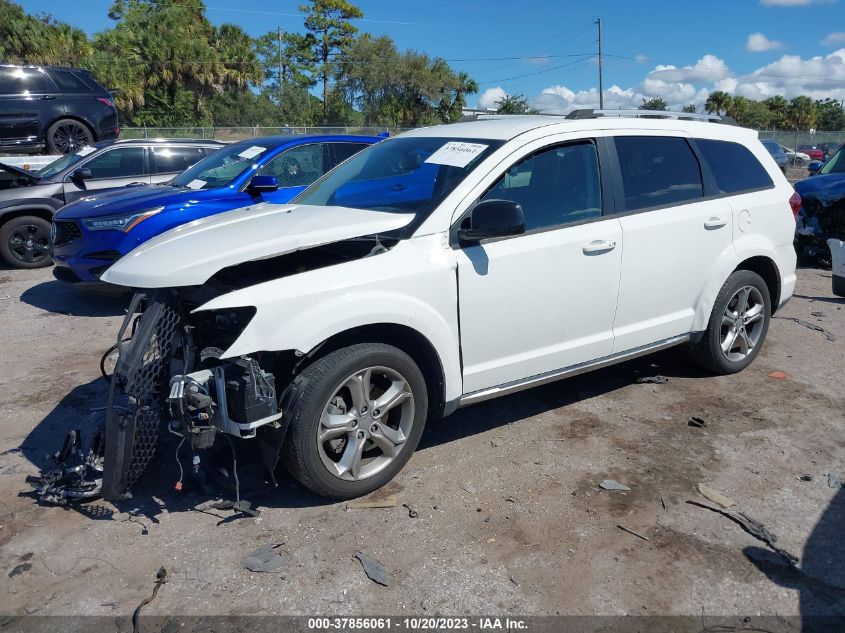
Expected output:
(170, 374)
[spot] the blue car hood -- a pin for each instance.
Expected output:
(138, 198)
(826, 188)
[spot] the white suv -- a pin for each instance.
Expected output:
(442, 267)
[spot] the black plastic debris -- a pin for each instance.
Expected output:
(19, 569)
(266, 559)
(651, 380)
(411, 512)
(375, 570)
(696, 422)
(754, 528)
(78, 475)
(161, 578)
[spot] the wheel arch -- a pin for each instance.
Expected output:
(40, 211)
(768, 270)
(411, 341)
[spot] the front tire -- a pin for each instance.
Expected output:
(738, 324)
(25, 242)
(358, 417)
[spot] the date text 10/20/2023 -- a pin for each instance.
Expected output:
(416, 624)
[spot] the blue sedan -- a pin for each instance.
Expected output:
(91, 234)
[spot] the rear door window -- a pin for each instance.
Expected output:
(68, 82)
(658, 171)
(733, 166)
(342, 151)
(174, 160)
(298, 166)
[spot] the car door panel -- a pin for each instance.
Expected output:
(536, 303)
(118, 167)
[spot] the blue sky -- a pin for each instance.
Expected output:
(677, 50)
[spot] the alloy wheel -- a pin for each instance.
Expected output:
(70, 137)
(365, 423)
(742, 324)
(29, 243)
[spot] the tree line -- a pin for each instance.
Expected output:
(169, 66)
(774, 113)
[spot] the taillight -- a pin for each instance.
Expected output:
(106, 101)
(795, 204)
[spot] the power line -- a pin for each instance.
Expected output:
(585, 57)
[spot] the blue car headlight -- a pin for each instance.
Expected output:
(123, 222)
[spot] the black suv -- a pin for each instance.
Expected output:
(28, 200)
(60, 109)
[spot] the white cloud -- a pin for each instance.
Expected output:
(759, 43)
(792, 3)
(833, 39)
(817, 77)
(640, 58)
(491, 96)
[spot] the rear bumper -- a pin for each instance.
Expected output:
(786, 260)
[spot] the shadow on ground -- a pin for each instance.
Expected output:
(820, 576)
(61, 298)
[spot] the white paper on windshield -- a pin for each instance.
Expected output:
(196, 184)
(252, 152)
(86, 150)
(456, 154)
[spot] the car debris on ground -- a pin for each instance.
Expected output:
(373, 568)
(696, 422)
(651, 380)
(810, 326)
(266, 559)
(610, 484)
(364, 504)
(715, 496)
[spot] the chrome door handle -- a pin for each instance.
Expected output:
(715, 223)
(598, 246)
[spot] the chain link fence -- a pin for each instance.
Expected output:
(793, 139)
(244, 133)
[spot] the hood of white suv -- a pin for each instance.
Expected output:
(190, 254)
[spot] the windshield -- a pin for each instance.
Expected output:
(60, 164)
(411, 174)
(220, 168)
(835, 164)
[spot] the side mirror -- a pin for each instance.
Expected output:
(814, 167)
(493, 218)
(260, 184)
(80, 174)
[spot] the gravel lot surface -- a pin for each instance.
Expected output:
(510, 515)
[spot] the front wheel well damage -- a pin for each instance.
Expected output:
(768, 270)
(407, 339)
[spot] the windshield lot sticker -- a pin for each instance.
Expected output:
(86, 150)
(196, 184)
(252, 152)
(456, 154)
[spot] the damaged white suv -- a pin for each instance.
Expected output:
(443, 267)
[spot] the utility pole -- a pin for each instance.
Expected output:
(279, 33)
(601, 79)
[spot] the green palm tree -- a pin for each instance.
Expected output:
(718, 102)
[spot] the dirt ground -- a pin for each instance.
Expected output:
(511, 518)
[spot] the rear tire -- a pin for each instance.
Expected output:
(25, 242)
(358, 417)
(737, 326)
(66, 136)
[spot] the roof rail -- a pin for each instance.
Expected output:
(590, 113)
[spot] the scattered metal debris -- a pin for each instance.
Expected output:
(114, 604)
(805, 478)
(610, 484)
(375, 570)
(715, 496)
(652, 380)
(630, 531)
(754, 528)
(411, 512)
(265, 559)
(161, 578)
(468, 488)
(779, 375)
(78, 476)
(663, 502)
(363, 504)
(696, 422)
(810, 326)
(817, 314)
(514, 581)
(17, 570)
(835, 481)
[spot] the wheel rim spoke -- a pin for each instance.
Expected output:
(350, 461)
(728, 341)
(359, 388)
(399, 391)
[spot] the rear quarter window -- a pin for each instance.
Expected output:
(68, 82)
(734, 167)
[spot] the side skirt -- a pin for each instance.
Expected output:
(568, 372)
